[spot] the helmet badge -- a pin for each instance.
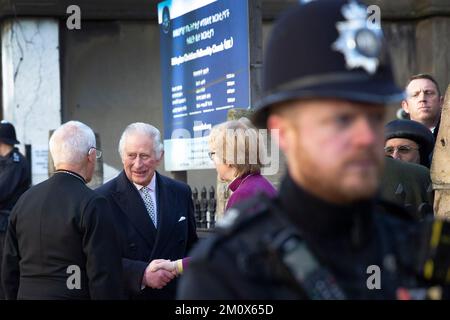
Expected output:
(360, 42)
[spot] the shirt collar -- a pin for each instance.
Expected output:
(72, 173)
(151, 185)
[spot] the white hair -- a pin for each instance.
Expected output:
(70, 143)
(142, 128)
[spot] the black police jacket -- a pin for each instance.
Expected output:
(363, 251)
(15, 179)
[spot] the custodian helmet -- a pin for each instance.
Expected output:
(8, 133)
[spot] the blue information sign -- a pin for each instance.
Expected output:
(204, 73)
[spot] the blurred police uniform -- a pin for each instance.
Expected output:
(15, 179)
(300, 245)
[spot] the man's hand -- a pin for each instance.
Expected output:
(159, 264)
(157, 279)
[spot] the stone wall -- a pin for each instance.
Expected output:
(418, 32)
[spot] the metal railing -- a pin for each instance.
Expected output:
(205, 207)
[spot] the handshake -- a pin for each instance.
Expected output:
(160, 272)
(176, 267)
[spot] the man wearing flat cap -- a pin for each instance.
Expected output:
(15, 178)
(409, 141)
(325, 236)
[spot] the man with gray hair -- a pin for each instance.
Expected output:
(60, 242)
(154, 214)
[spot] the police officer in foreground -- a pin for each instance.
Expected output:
(15, 178)
(325, 236)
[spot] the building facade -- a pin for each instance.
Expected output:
(107, 72)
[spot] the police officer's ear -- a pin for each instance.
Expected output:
(283, 127)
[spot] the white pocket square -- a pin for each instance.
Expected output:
(182, 218)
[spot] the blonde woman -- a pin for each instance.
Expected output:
(238, 153)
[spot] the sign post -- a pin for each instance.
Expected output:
(205, 70)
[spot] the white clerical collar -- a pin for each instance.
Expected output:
(151, 185)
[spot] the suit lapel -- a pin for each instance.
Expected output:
(132, 205)
(166, 213)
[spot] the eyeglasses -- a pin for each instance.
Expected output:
(400, 149)
(211, 155)
(98, 152)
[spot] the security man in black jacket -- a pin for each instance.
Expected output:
(326, 81)
(15, 178)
